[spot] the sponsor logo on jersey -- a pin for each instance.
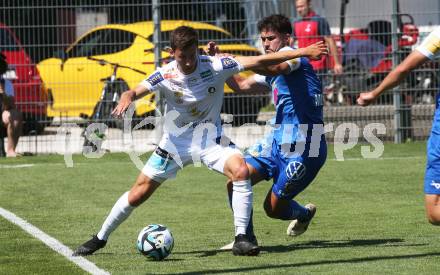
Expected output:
(178, 95)
(211, 90)
(436, 185)
(170, 75)
(206, 75)
(176, 84)
(228, 63)
(319, 100)
(295, 171)
(192, 81)
(195, 112)
(195, 124)
(155, 79)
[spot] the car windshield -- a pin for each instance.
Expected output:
(204, 37)
(7, 42)
(100, 42)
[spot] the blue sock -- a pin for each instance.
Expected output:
(295, 211)
(250, 227)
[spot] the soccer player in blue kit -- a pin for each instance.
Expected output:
(428, 50)
(295, 150)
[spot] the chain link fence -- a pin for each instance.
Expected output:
(69, 60)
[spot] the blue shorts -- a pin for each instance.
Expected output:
(432, 174)
(290, 174)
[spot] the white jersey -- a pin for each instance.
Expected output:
(430, 46)
(194, 99)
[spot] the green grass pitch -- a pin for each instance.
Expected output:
(370, 218)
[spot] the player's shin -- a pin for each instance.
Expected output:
(241, 205)
(294, 211)
(120, 211)
(250, 227)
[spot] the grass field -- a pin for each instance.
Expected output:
(370, 218)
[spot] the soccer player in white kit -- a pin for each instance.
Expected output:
(193, 88)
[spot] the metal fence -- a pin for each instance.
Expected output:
(49, 43)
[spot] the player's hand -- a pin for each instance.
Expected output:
(126, 99)
(337, 69)
(212, 48)
(315, 51)
(366, 99)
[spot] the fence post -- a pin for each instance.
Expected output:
(157, 57)
(396, 91)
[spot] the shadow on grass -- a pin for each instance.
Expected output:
(336, 244)
(313, 245)
(314, 263)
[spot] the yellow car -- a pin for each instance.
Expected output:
(75, 80)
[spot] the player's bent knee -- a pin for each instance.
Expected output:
(432, 205)
(434, 218)
(270, 211)
(240, 173)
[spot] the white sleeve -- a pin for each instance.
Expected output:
(226, 66)
(261, 79)
(294, 64)
(430, 46)
(9, 88)
(152, 83)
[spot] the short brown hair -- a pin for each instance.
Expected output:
(183, 37)
(275, 22)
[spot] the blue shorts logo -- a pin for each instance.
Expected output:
(436, 185)
(228, 63)
(295, 171)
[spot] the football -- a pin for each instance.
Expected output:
(155, 241)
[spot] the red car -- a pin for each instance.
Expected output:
(31, 97)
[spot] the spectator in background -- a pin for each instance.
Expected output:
(11, 117)
(311, 28)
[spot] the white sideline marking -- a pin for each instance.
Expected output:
(56, 245)
(17, 166)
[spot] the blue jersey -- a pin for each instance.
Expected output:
(298, 100)
(299, 117)
(430, 48)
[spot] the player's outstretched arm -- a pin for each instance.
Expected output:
(411, 62)
(242, 85)
(127, 98)
(261, 62)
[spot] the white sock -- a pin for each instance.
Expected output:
(241, 205)
(120, 211)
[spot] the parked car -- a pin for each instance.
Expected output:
(30, 93)
(75, 81)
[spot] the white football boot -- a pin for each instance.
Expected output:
(296, 227)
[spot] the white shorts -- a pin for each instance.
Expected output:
(163, 165)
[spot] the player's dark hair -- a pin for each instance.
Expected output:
(183, 37)
(3, 64)
(275, 22)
